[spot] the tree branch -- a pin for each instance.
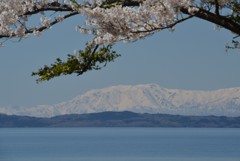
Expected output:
(166, 27)
(42, 28)
(57, 7)
(216, 18)
(87, 60)
(217, 7)
(226, 23)
(56, 21)
(130, 3)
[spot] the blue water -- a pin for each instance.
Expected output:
(119, 144)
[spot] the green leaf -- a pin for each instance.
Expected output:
(92, 58)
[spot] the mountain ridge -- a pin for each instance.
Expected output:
(143, 98)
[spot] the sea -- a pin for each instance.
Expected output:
(119, 144)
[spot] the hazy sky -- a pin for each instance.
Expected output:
(192, 57)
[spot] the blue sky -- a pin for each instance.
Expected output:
(192, 57)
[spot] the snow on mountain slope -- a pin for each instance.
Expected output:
(148, 98)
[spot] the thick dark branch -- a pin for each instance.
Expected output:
(215, 18)
(130, 3)
(217, 7)
(224, 22)
(57, 7)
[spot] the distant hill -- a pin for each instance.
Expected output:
(120, 119)
(147, 98)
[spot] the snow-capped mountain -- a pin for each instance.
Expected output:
(148, 98)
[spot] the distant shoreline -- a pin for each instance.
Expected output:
(121, 119)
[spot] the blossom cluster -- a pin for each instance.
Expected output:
(13, 16)
(107, 24)
(10, 12)
(131, 23)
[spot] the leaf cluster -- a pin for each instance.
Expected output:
(89, 59)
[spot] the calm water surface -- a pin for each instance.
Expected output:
(119, 144)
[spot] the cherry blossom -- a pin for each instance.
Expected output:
(111, 21)
(108, 24)
(132, 23)
(11, 16)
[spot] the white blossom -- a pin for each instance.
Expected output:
(108, 25)
(10, 15)
(192, 10)
(132, 23)
(45, 22)
(20, 31)
(36, 33)
(12, 18)
(60, 18)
